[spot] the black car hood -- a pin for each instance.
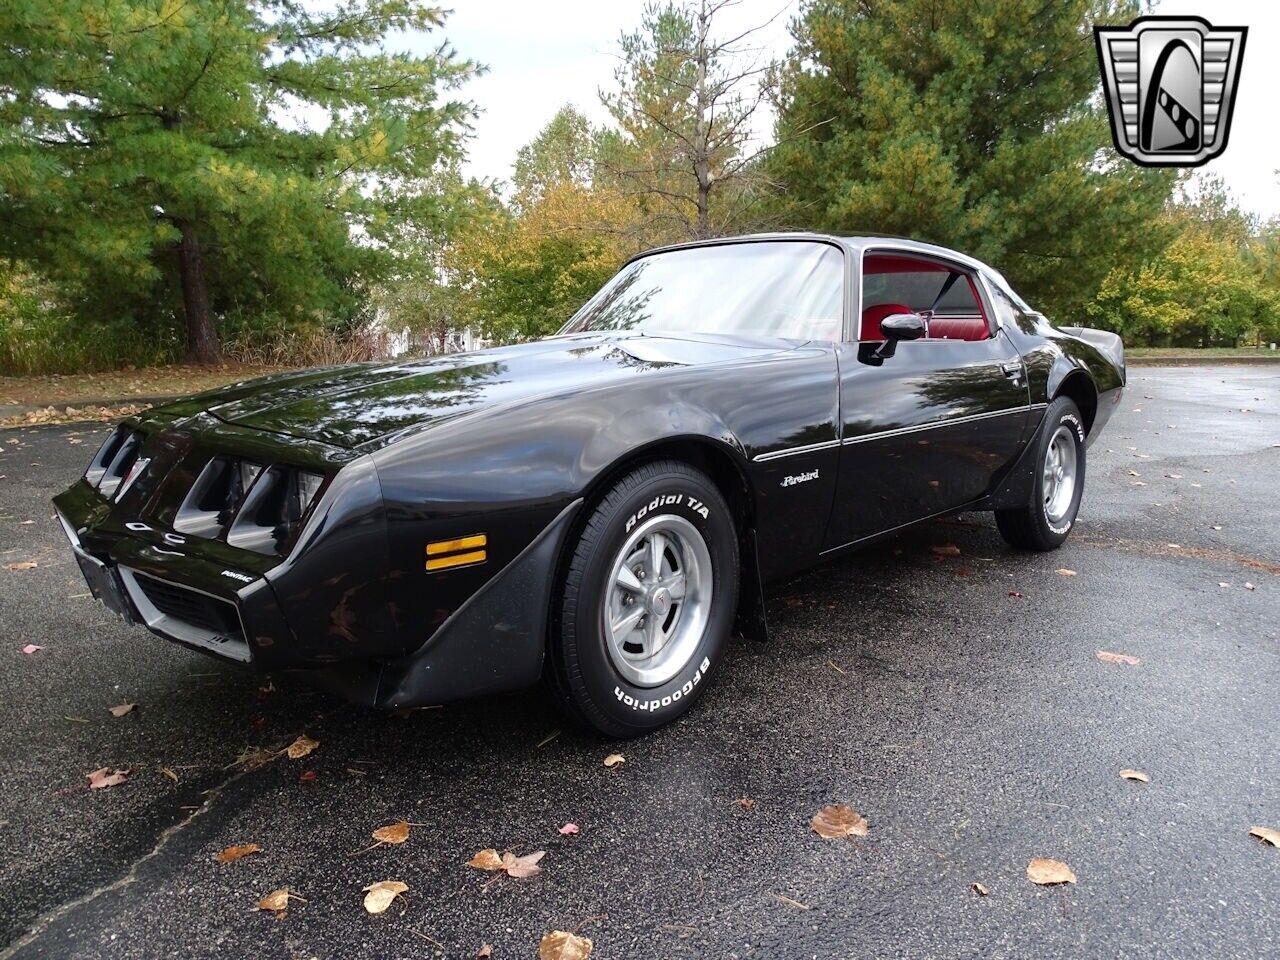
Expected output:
(354, 405)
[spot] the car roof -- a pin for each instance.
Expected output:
(853, 242)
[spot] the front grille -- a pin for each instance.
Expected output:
(192, 607)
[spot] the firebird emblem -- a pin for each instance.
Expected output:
(1171, 86)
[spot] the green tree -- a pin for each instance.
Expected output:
(563, 152)
(973, 125)
(190, 162)
(1208, 287)
(684, 107)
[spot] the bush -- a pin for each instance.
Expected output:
(39, 336)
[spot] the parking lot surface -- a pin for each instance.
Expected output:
(957, 702)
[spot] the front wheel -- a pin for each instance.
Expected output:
(647, 602)
(1044, 522)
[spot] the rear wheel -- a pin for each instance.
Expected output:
(1045, 521)
(648, 601)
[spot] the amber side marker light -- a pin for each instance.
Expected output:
(462, 552)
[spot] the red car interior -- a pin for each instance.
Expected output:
(940, 327)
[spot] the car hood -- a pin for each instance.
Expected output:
(354, 405)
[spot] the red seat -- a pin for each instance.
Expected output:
(872, 315)
(958, 328)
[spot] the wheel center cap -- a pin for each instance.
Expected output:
(660, 601)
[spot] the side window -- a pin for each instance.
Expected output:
(1012, 312)
(894, 283)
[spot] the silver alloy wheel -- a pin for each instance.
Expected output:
(1058, 484)
(657, 600)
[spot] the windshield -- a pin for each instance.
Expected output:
(791, 289)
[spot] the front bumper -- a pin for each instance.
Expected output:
(152, 578)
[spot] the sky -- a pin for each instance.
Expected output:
(542, 54)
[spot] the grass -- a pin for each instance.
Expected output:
(1199, 354)
(73, 389)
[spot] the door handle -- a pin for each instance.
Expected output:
(1013, 370)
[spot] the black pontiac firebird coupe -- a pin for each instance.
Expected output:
(602, 506)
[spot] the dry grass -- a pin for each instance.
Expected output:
(74, 389)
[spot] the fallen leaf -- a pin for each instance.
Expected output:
(278, 901)
(562, 945)
(1222, 583)
(1106, 656)
(945, 550)
(569, 829)
(746, 803)
(979, 888)
(122, 709)
(378, 896)
(232, 854)
(169, 773)
(838, 820)
(31, 648)
(613, 759)
(301, 747)
(521, 867)
(1266, 835)
(1044, 872)
(1064, 572)
(106, 777)
(782, 898)
(395, 833)
(1015, 593)
(22, 565)
(486, 950)
(1250, 586)
(1135, 775)
(486, 859)
(308, 776)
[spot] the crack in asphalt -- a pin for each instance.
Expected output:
(43, 922)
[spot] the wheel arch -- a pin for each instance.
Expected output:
(1078, 385)
(726, 468)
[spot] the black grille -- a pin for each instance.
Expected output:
(190, 606)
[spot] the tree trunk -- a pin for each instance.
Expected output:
(202, 338)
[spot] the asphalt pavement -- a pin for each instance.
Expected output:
(956, 702)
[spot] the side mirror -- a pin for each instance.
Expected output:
(899, 326)
(902, 326)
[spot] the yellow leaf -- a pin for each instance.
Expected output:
(276, 900)
(1135, 775)
(487, 859)
(395, 833)
(232, 854)
(378, 896)
(838, 820)
(1043, 871)
(613, 759)
(562, 945)
(301, 747)
(1266, 835)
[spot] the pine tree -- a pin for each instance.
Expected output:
(197, 162)
(974, 125)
